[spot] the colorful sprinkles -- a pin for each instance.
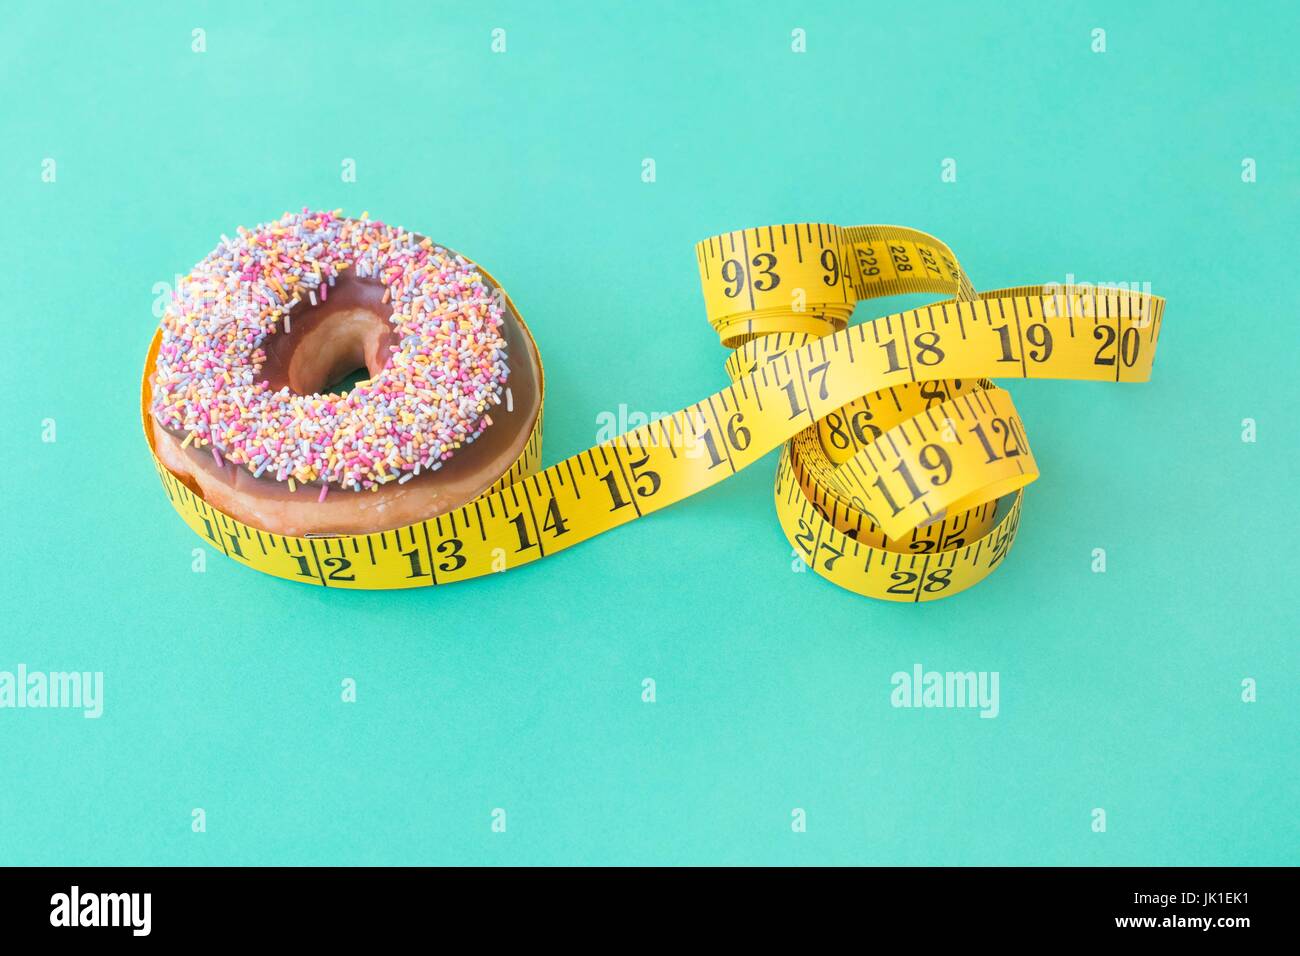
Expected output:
(430, 399)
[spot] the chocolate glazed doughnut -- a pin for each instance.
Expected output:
(349, 327)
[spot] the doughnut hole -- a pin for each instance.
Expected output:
(343, 346)
(335, 343)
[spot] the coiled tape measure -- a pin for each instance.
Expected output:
(903, 466)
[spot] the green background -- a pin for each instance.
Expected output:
(523, 691)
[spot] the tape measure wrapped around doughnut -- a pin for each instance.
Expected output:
(902, 470)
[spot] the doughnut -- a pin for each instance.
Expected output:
(256, 336)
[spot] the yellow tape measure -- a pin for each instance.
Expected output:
(903, 467)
